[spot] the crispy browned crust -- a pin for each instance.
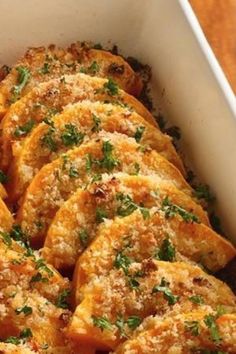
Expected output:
(48, 98)
(34, 154)
(111, 297)
(79, 213)
(60, 61)
(162, 336)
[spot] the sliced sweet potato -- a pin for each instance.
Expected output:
(42, 64)
(154, 237)
(116, 304)
(26, 315)
(51, 97)
(77, 124)
(186, 333)
(76, 222)
(21, 268)
(6, 218)
(57, 181)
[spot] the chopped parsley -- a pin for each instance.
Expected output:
(139, 133)
(136, 169)
(62, 300)
(122, 262)
(45, 68)
(73, 172)
(171, 210)
(83, 237)
(48, 140)
(196, 299)
(97, 46)
(97, 121)
(38, 278)
(210, 322)
(133, 322)
(166, 251)
(26, 310)
(71, 136)
(3, 177)
(102, 323)
(22, 80)
(94, 68)
(193, 327)
(164, 288)
(101, 214)
(128, 206)
(111, 87)
(108, 162)
(24, 129)
(202, 191)
(24, 334)
(6, 238)
(40, 264)
(88, 162)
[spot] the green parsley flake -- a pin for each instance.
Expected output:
(24, 129)
(171, 210)
(48, 140)
(111, 87)
(133, 322)
(22, 80)
(108, 162)
(45, 68)
(62, 300)
(6, 238)
(71, 136)
(139, 133)
(26, 310)
(193, 327)
(97, 122)
(122, 262)
(202, 191)
(94, 68)
(84, 237)
(210, 322)
(196, 299)
(102, 323)
(163, 287)
(166, 251)
(3, 177)
(101, 214)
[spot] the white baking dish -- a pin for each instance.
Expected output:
(165, 34)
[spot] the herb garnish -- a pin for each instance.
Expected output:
(83, 236)
(102, 323)
(24, 334)
(101, 214)
(71, 135)
(139, 133)
(94, 68)
(62, 300)
(202, 191)
(111, 87)
(6, 238)
(26, 310)
(24, 129)
(166, 251)
(163, 287)
(3, 177)
(22, 79)
(210, 322)
(196, 299)
(193, 327)
(128, 206)
(171, 210)
(48, 140)
(122, 262)
(97, 122)
(45, 69)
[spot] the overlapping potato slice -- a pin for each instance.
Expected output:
(42, 64)
(49, 98)
(28, 315)
(77, 124)
(6, 218)
(55, 182)
(23, 348)
(21, 267)
(195, 332)
(117, 304)
(77, 221)
(137, 238)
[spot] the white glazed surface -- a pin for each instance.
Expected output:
(166, 35)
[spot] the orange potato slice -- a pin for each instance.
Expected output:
(76, 222)
(57, 181)
(116, 304)
(186, 333)
(155, 237)
(51, 97)
(42, 64)
(77, 124)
